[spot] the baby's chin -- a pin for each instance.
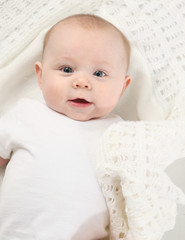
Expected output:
(76, 116)
(83, 115)
(86, 116)
(80, 117)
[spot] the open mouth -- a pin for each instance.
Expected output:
(80, 102)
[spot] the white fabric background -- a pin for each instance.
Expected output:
(156, 31)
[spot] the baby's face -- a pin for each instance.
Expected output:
(83, 71)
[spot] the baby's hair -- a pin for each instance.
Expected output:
(89, 21)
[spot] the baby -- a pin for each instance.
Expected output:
(50, 190)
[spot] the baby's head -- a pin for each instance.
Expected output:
(84, 64)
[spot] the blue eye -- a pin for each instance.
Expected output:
(67, 69)
(99, 74)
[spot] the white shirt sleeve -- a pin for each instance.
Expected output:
(8, 124)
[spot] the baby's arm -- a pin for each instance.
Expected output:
(8, 123)
(3, 161)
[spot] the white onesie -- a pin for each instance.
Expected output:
(50, 190)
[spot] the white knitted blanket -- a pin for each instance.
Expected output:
(134, 154)
(140, 196)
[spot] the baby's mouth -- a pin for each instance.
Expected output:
(80, 102)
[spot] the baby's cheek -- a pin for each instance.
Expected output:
(106, 104)
(50, 95)
(52, 88)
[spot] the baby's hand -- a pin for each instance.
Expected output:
(3, 161)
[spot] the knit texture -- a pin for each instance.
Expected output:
(134, 154)
(155, 28)
(140, 196)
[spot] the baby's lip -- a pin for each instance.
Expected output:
(80, 102)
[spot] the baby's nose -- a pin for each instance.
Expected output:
(82, 83)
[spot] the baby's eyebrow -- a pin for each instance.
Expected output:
(103, 63)
(63, 58)
(63, 61)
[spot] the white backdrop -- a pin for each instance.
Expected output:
(156, 32)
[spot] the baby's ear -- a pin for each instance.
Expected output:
(38, 70)
(127, 81)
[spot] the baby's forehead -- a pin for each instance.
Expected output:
(71, 31)
(89, 23)
(86, 26)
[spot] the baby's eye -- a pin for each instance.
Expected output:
(99, 74)
(67, 69)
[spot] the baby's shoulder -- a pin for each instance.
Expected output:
(29, 106)
(29, 103)
(27, 109)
